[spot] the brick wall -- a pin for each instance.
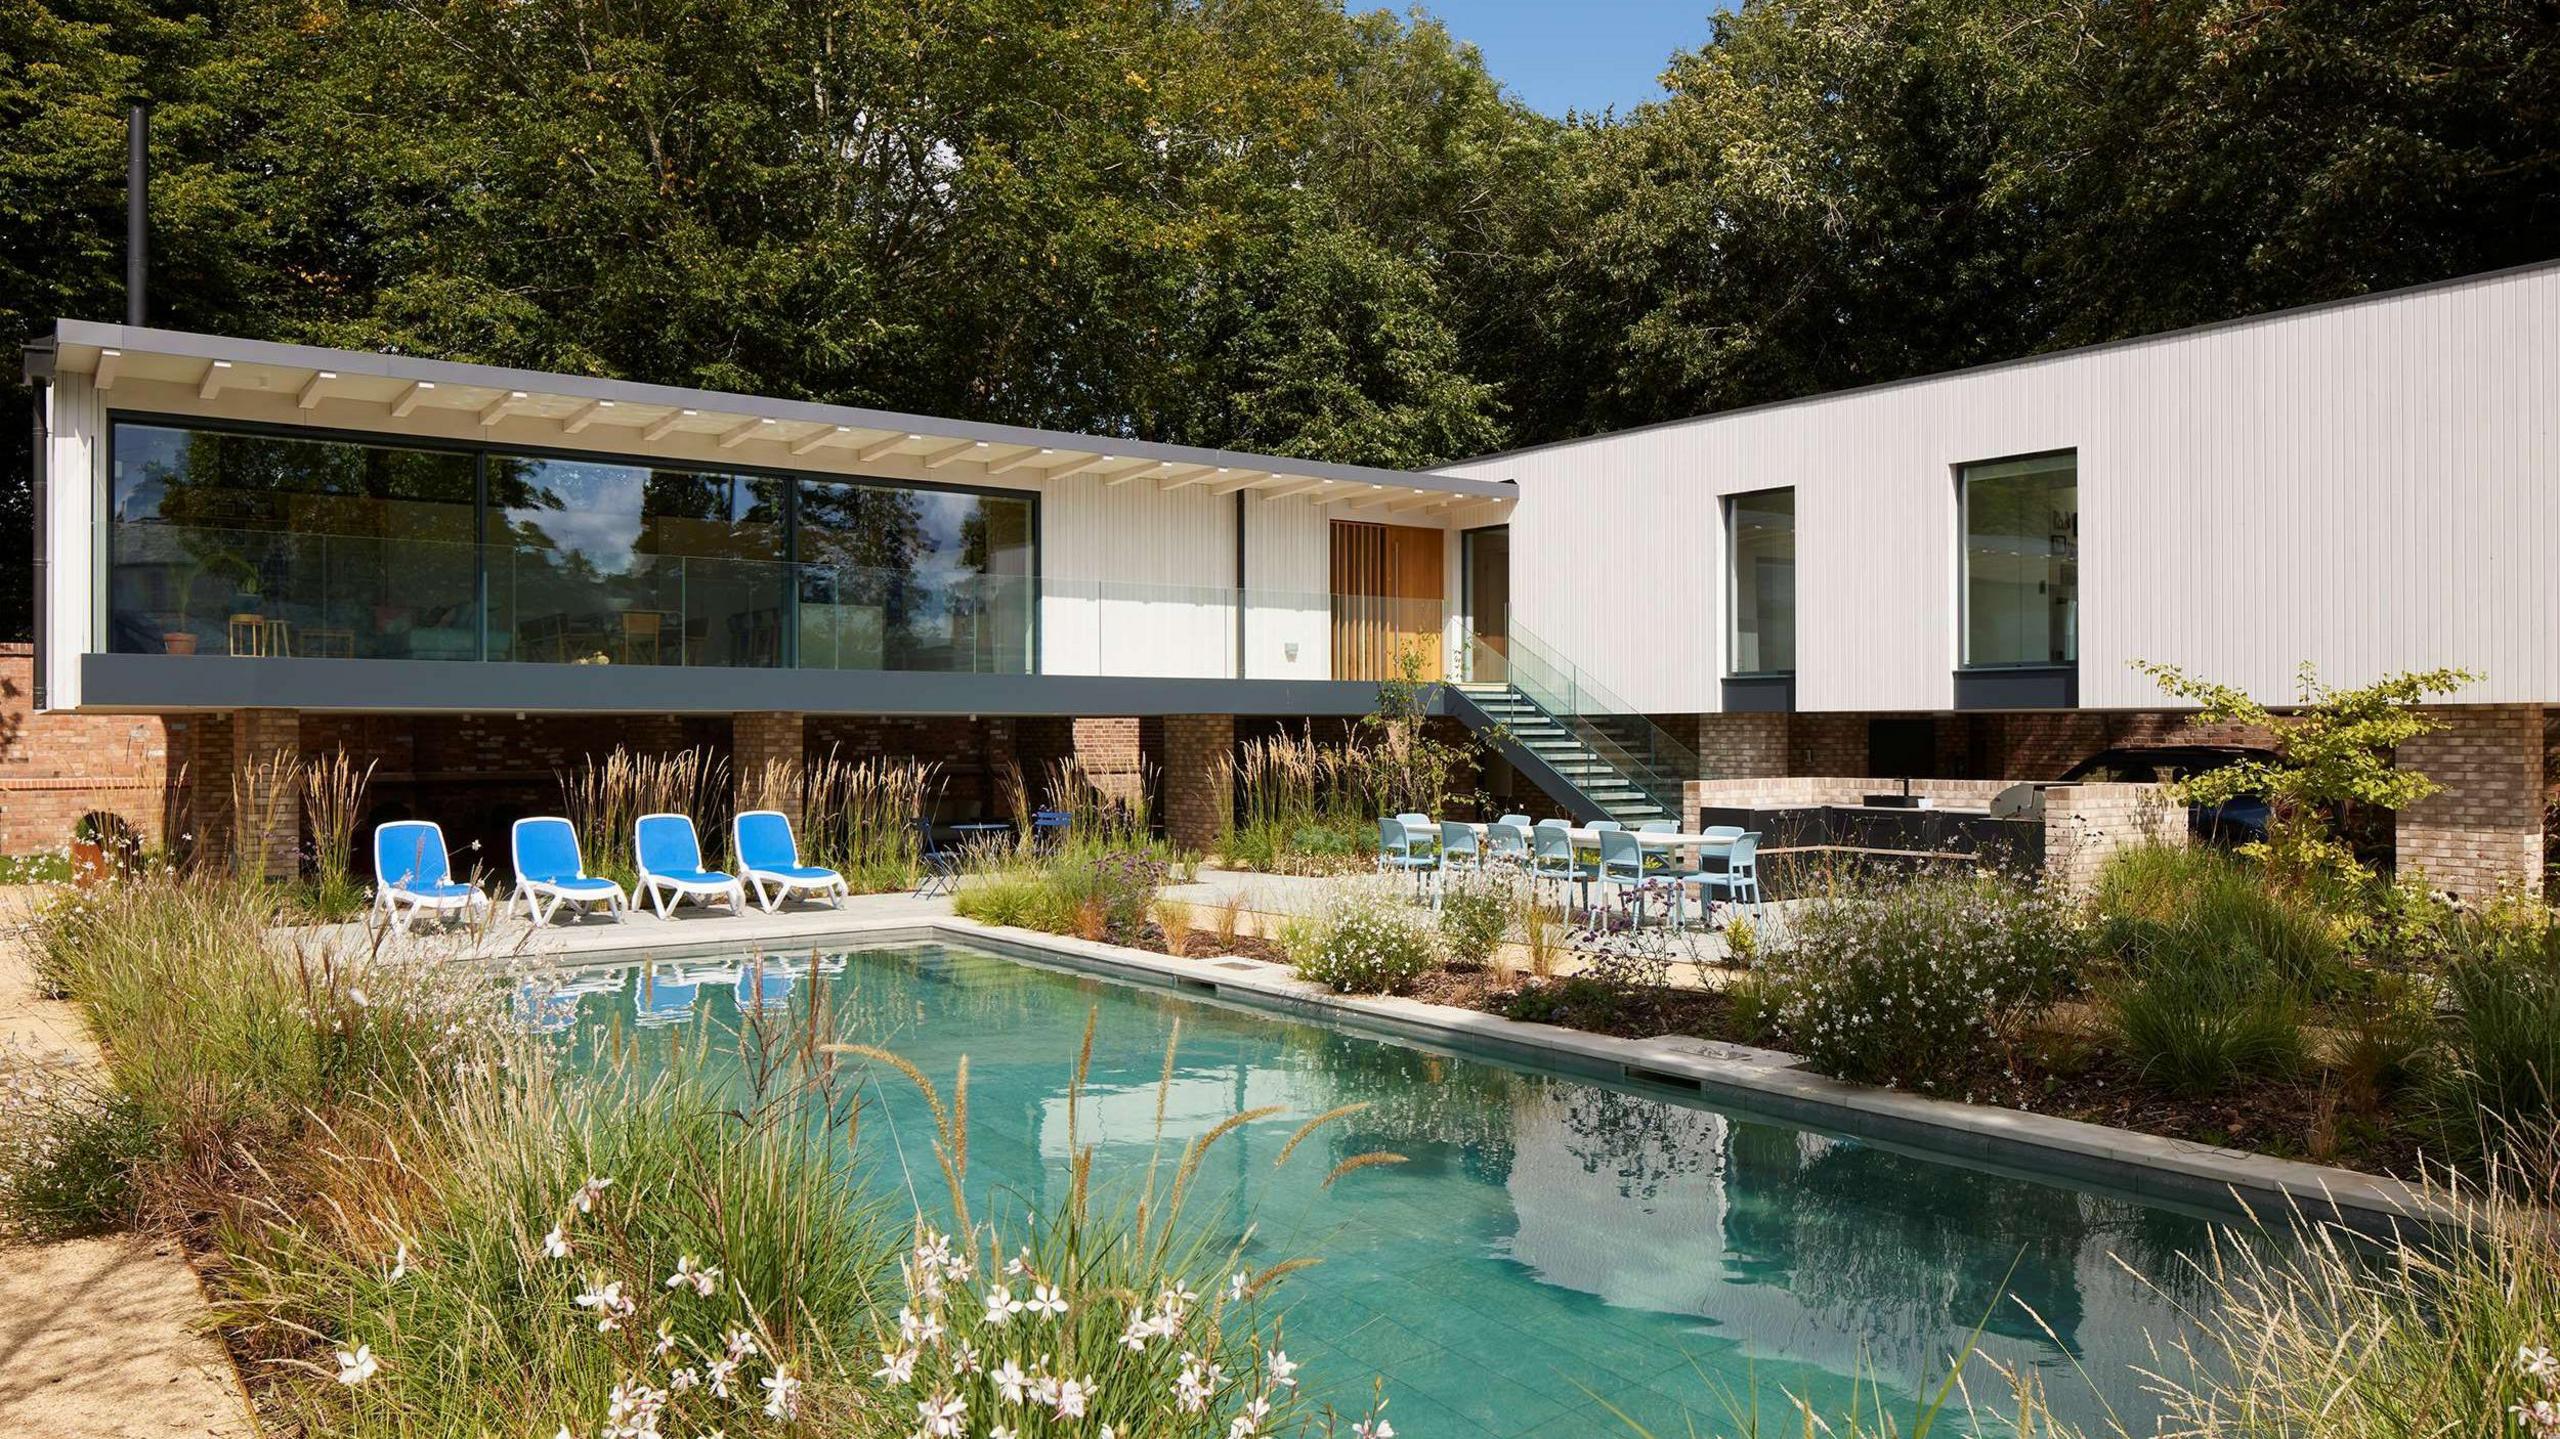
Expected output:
(2484, 830)
(1199, 796)
(759, 742)
(2085, 823)
(54, 768)
(1734, 746)
(1827, 744)
(2043, 746)
(266, 799)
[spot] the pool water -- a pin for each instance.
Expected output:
(1551, 1242)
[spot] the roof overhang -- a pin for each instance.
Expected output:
(574, 411)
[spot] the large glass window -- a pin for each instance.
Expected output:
(259, 544)
(226, 543)
(2022, 561)
(600, 563)
(1761, 527)
(905, 579)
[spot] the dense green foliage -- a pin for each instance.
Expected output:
(1261, 223)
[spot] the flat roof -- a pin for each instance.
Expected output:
(763, 429)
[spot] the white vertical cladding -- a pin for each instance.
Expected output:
(74, 580)
(2369, 487)
(1137, 580)
(1288, 571)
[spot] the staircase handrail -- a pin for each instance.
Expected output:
(1654, 761)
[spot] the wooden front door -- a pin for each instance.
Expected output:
(1387, 599)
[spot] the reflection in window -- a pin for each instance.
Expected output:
(1762, 527)
(602, 563)
(262, 545)
(2021, 561)
(902, 579)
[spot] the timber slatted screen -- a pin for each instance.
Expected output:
(1387, 591)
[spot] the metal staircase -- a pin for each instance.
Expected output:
(1585, 748)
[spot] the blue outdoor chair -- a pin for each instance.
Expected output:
(1458, 842)
(768, 859)
(1397, 854)
(1738, 881)
(671, 868)
(411, 868)
(936, 868)
(1622, 869)
(1552, 857)
(1507, 839)
(551, 873)
(1049, 828)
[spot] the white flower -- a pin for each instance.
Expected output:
(589, 1192)
(356, 1366)
(941, 1415)
(1002, 1306)
(689, 1275)
(964, 1360)
(1283, 1369)
(1047, 1300)
(666, 1344)
(357, 995)
(781, 1395)
(1236, 1285)
(1139, 1330)
(1001, 1431)
(399, 1265)
(718, 1373)
(555, 1245)
(897, 1366)
(741, 1345)
(1071, 1397)
(683, 1379)
(1009, 1381)
(1373, 1429)
(1194, 1386)
(2537, 1362)
(609, 1302)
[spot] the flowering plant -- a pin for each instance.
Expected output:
(1371, 939)
(1913, 984)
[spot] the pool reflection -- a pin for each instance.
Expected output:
(1545, 1238)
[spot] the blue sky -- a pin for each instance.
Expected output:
(1560, 54)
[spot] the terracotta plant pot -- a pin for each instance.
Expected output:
(88, 862)
(178, 642)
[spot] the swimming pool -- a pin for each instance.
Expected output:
(1551, 1241)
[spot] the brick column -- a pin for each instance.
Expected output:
(757, 739)
(1199, 791)
(2483, 830)
(2086, 823)
(1739, 746)
(1110, 753)
(265, 801)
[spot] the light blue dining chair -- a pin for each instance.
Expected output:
(1458, 844)
(1397, 855)
(1658, 861)
(1507, 840)
(1552, 858)
(1738, 881)
(1622, 870)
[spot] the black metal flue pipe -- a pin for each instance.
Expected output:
(137, 212)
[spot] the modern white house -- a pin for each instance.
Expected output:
(1942, 580)
(1954, 576)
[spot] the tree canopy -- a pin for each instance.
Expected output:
(1269, 224)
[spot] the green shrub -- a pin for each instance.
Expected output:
(1910, 984)
(2197, 1026)
(1098, 893)
(1577, 1002)
(2217, 901)
(2504, 1070)
(1475, 914)
(1372, 940)
(68, 1157)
